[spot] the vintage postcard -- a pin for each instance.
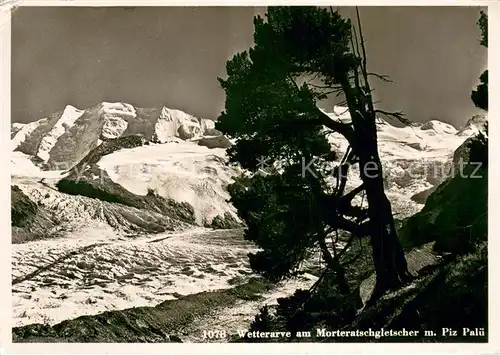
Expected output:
(280, 175)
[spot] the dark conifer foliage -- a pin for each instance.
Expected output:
(480, 95)
(479, 145)
(302, 55)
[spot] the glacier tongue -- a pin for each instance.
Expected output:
(99, 262)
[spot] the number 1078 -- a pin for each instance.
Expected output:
(214, 334)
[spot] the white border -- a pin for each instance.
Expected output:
(493, 347)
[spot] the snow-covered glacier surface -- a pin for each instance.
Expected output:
(96, 264)
(414, 158)
(95, 270)
(183, 171)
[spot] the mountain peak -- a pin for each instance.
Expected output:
(71, 107)
(67, 136)
(474, 125)
(438, 127)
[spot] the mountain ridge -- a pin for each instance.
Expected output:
(65, 137)
(138, 183)
(415, 157)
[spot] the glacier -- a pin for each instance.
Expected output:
(96, 258)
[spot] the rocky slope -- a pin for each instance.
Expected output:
(447, 253)
(30, 221)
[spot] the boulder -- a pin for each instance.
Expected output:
(188, 129)
(175, 339)
(215, 142)
(212, 132)
(227, 221)
(454, 216)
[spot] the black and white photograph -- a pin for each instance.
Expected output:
(244, 174)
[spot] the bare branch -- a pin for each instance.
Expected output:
(355, 48)
(359, 213)
(346, 247)
(364, 69)
(314, 77)
(347, 110)
(384, 78)
(361, 40)
(400, 116)
(344, 129)
(350, 226)
(337, 92)
(318, 86)
(356, 51)
(293, 82)
(341, 171)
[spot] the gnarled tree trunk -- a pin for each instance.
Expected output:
(388, 256)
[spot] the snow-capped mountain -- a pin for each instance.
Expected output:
(473, 126)
(415, 158)
(64, 138)
(184, 159)
(170, 183)
(181, 161)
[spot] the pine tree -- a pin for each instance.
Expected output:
(302, 55)
(479, 145)
(480, 95)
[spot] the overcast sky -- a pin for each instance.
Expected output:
(153, 56)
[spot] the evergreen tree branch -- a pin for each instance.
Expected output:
(342, 128)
